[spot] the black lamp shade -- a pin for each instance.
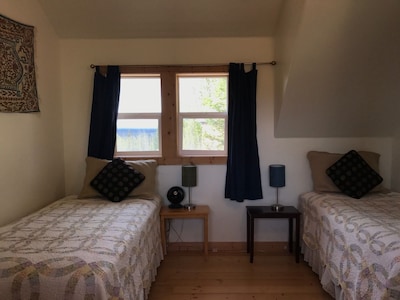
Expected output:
(277, 175)
(189, 175)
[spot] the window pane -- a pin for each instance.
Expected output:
(203, 94)
(138, 135)
(203, 134)
(140, 95)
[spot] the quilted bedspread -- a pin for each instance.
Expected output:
(82, 249)
(358, 241)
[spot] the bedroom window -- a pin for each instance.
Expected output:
(174, 114)
(202, 120)
(139, 116)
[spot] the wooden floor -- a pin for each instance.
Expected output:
(184, 276)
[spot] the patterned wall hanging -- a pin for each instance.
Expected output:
(18, 91)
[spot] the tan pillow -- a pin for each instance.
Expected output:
(320, 161)
(145, 190)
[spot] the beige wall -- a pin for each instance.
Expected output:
(31, 145)
(341, 68)
(77, 83)
(286, 39)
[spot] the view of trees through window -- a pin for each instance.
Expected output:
(203, 107)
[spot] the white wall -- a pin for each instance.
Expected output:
(31, 151)
(227, 220)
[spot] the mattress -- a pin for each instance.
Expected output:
(82, 249)
(353, 244)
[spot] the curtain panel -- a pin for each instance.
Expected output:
(103, 123)
(243, 178)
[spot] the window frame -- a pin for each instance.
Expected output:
(169, 134)
(201, 115)
(138, 116)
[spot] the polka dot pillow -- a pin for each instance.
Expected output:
(353, 176)
(116, 180)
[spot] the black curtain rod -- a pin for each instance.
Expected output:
(273, 63)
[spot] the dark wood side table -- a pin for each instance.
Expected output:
(289, 212)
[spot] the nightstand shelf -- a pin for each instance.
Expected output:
(288, 212)
(200, 212)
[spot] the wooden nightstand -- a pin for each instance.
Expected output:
(200, 212)
(289, 212)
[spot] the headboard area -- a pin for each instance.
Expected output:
(354, 173)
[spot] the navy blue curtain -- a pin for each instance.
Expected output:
(243, 179)
(103, 123)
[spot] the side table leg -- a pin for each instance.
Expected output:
(163, 239)
(248, 231)
(251, 239)
(297, 238)
(290, 235)
(205, 235)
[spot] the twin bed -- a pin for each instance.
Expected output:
(352, 244)
(85, 246)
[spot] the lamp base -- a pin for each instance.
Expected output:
(277, 207)
(175, 206)
(189, 206)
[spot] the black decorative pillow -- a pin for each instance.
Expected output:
(116, 180)
(353, 176)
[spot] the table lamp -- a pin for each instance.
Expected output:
(277, 180)
(189, 179)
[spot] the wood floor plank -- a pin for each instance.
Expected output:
(188, 276)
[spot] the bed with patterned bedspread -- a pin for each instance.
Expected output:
(353, 244)
(82, 249)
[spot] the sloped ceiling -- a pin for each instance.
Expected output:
(341, 77)
(162, 18)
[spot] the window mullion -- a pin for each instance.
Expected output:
(203, 115)
(168, 117)
(139, 116)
